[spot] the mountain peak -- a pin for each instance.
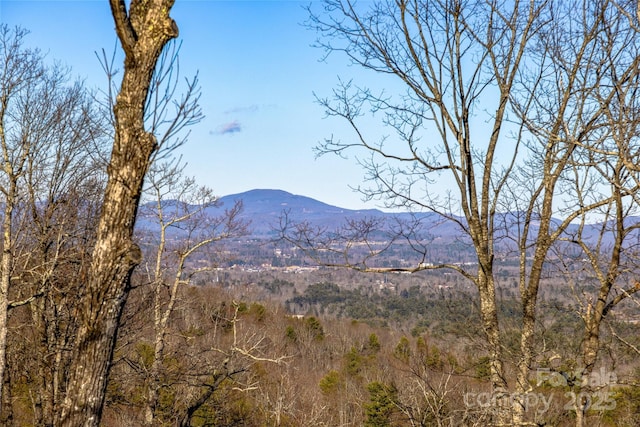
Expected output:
(268, 201)
(265, 206)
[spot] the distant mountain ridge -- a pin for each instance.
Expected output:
(264, 207)
(262, 200)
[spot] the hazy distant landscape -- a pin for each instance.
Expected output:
(497, 285)
(344, 328)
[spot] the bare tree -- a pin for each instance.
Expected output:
(60, 207)
(561, 117)
(21, 71)
(509, 90)
(456, 60)
(187, 227)
(607, 162)
(48, 132)
(144, 28)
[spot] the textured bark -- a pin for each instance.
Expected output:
(491, 326)
(5, 279)
(143, 31)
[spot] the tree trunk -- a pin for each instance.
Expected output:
(143, 33)
(491, 328)
(590, 348)
(159, 328)
(5, 279)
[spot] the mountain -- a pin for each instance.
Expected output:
(265, 207)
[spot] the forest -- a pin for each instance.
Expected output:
(130, 296)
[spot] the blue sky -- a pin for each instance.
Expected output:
(258, 73)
